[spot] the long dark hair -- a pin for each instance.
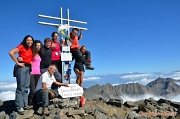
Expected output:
(52, 35)
(34, 50)
(24, 41)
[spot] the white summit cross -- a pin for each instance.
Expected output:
(66, 56)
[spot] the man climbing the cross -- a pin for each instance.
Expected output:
(75, 49)
(86, 53)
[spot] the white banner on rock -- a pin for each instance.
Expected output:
(73, 90)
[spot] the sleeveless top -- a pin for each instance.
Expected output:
(36, 65)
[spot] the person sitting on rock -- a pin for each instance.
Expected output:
(43, 88)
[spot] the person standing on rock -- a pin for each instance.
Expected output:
(43, 88)
(22, 72)
(35, 73)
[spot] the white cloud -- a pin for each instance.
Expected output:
(175, 75)
(137, 76)
(7, 90)
(146, 96)
(7, 95)
(178, 83)
(174, 98)
(130, 82)
(145, 81)
(93, 78)
(115, 84)
(139, 97)
(8, 86)
(145, 78)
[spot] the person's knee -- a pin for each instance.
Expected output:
(56, 94)
(76, 72)
(25, 91)
(45, 92)
(19, 88)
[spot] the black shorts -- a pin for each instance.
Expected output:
(79, 66)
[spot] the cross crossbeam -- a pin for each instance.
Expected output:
(65, 54)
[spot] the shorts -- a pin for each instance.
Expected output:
(79, 66)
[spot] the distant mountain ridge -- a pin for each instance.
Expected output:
(159, 87)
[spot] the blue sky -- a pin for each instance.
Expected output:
(123, 35)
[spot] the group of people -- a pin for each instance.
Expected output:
(39, 67)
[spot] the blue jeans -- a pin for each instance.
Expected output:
(44, 96)
(23, 82)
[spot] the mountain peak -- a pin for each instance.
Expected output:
(159, 87)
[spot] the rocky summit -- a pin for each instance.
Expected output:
(98, 109)
(104, 102)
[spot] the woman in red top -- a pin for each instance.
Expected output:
(56, 56)
(22, 72)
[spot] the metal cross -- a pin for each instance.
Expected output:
(66, 65)
(61, 20)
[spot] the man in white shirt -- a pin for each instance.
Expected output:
(43, 88)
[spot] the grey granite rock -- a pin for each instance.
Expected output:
(115, 102)
(75, 112)
(117, 116)
(2, 115)
(129, 104)
(100, 115)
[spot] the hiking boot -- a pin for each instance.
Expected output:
(45, 111)
(21, 111)
(89, 67)
(28, 107)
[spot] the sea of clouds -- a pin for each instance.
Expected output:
(147, 96)
(7, 89)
